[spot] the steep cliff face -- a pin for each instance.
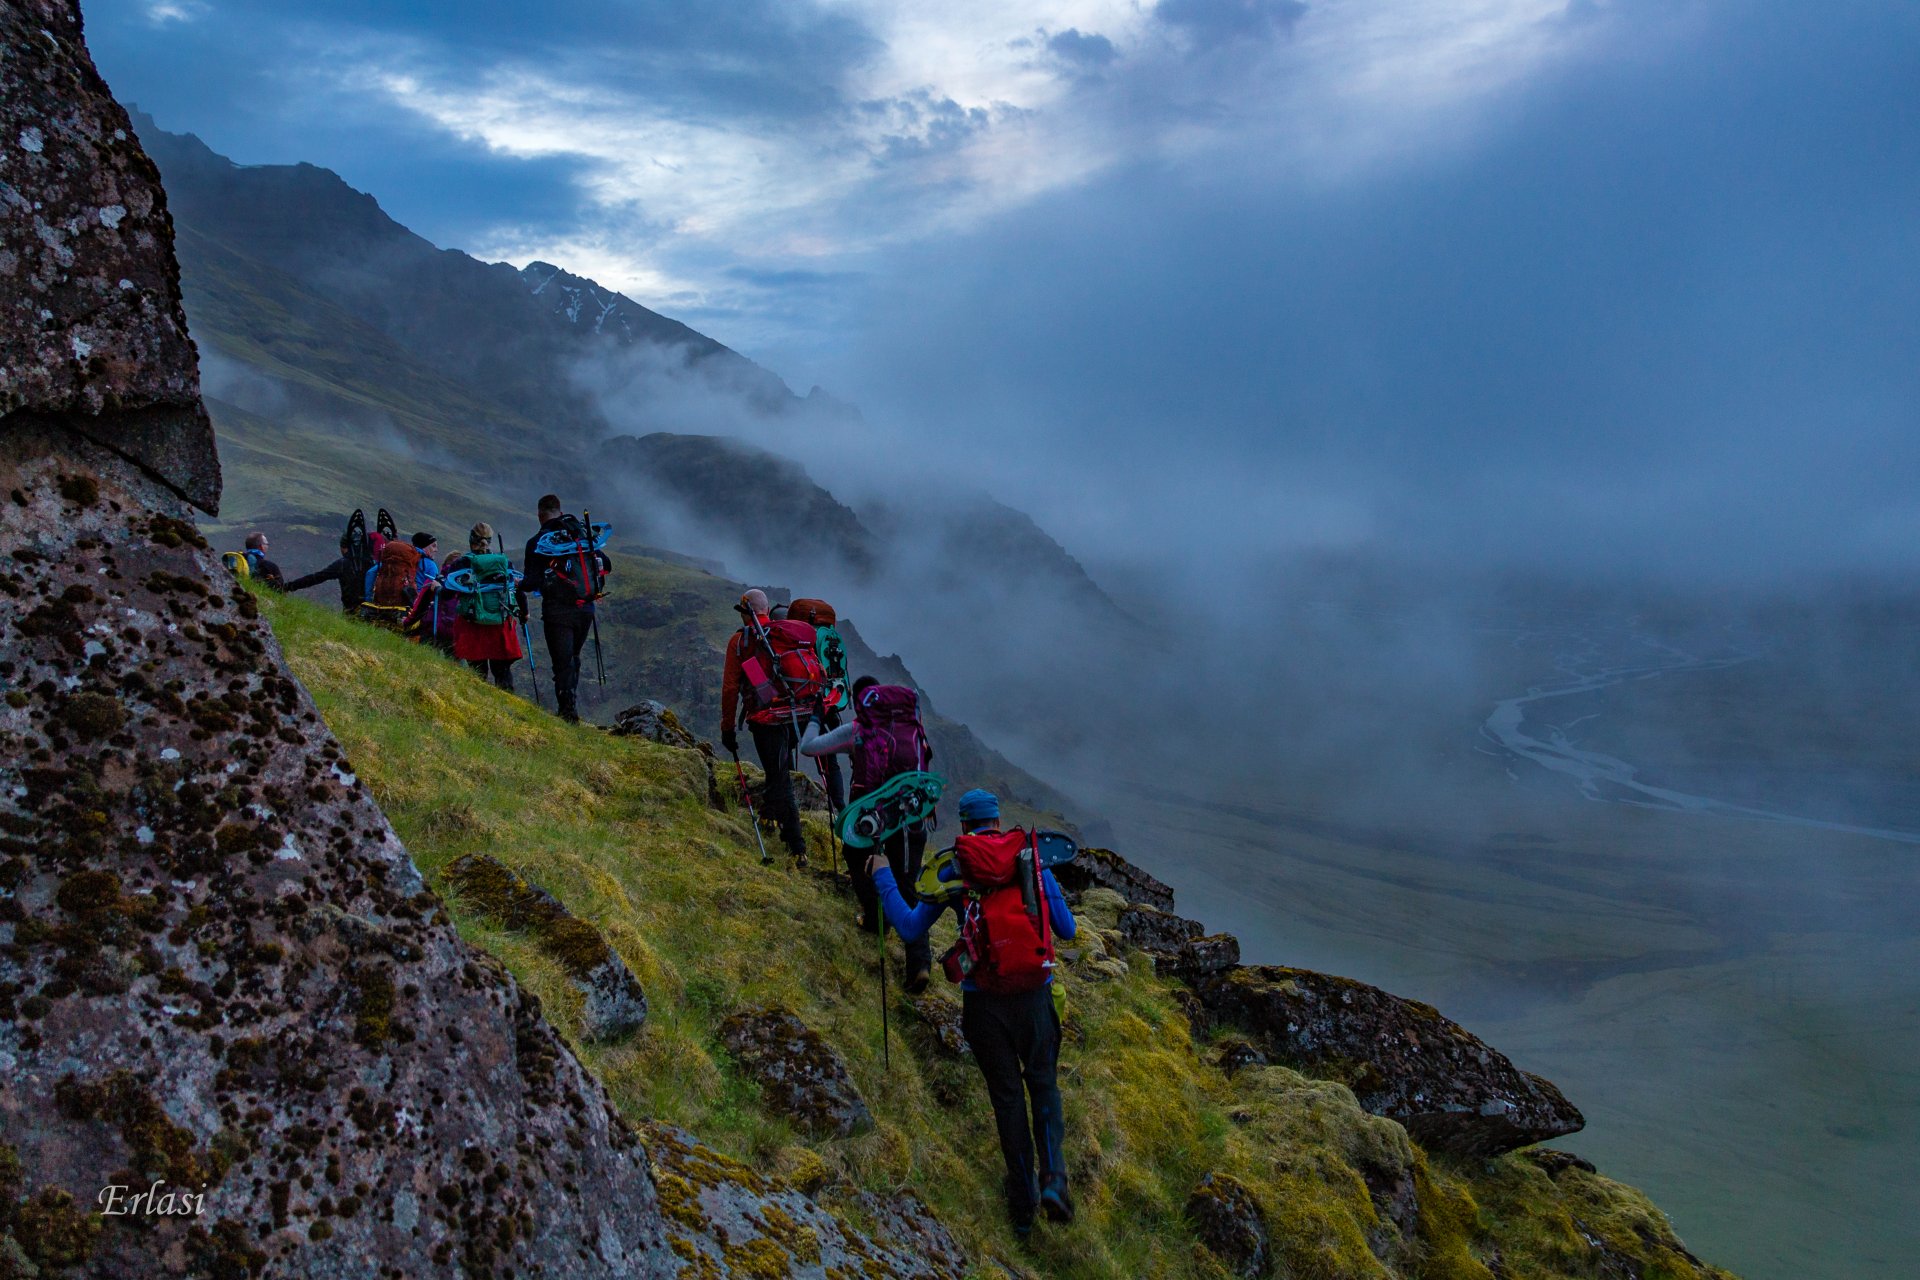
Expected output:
(220, 971)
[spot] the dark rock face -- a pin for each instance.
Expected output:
(1229, 1223)
(1105, 869)
(221, 968)
(1401, 1058)
(90, 318)
(1201, 958)
(1157, 932)
(616, 1006)
(800, 1075)
(655, 722)
(1236, 1055)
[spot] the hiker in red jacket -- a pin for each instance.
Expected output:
(771, 681)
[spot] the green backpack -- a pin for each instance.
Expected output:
(486, 604)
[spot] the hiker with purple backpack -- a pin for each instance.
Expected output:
(884, 740)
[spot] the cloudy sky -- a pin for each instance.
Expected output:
(1632, 282)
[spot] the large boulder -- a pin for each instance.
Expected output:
(91, 327)
(654, 721)
(615, 1005)
(800, 1075)
(1451, 1090)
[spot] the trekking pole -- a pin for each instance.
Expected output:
(880, 929)
(753, 815)
(526, 637)
(599, 663)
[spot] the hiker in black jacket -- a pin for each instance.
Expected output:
(565, 618)
(341, 571)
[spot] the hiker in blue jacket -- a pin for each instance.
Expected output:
(1014, 1035)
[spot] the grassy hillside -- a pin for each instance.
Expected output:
(622, 833)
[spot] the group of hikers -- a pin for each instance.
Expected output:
(473, 607)
(785, 679)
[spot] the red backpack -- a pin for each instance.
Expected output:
(397, 582)
(892, 740)
(787, 677)
(1006, 932)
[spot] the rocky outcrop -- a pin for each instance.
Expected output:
(1451, 1090)
(615, 1007)
(724, 1218)
(1180, 948)
(91, 327)
(800, 1075)
(1105, 869)
(655, 722)
(1229, 1223)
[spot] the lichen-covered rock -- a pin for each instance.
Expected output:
(1228, 1221)
(90, 319)
(1105, 869)
(904, 1221)
(1157, 932)
(655, 722)
(1402, 1059)
(800, 1075)
(219, 968)
(615, 1007)
(1201, 958)
(724, 1218)
(940, 1028)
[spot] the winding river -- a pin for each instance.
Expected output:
(1607, 778)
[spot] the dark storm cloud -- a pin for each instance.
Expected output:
(266, 82)
(1660, 317)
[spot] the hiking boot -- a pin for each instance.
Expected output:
(916, 979)
(800, 862)
(1054, 1200)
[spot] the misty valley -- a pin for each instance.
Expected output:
(1337, 694)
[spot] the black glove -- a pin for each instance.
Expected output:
(730, 740)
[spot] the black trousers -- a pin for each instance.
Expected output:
(775, 745)
(566, 636)
(905, 850)
(1016, 1041)
(498, 670)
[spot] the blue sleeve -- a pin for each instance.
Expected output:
(1057, 909)
(366, 587)
(911, 923)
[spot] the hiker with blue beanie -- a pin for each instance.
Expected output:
(1010, 912)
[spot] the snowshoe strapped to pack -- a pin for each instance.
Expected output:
(1006, 933)
(383, 525)
(892, 740)
(484, 587)
(869, 819)
(940, 879)
(358, 549)
(575, 576)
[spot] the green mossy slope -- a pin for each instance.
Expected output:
(621, 832)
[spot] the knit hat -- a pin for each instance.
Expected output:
(978, 806)
(423, 540)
